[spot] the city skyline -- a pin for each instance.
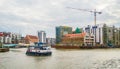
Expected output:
(29, 16)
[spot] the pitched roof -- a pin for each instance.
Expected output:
(1, 34)
(75, 35)
(31, 38)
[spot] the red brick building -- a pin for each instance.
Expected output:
(30, 39)
(78, 39)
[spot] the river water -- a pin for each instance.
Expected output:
(62, 59)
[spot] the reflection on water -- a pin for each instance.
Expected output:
(62, 59)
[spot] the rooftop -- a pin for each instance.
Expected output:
(75, 35)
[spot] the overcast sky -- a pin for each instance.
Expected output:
(29, 16)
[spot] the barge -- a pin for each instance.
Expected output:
(4, 49)
(83, 47)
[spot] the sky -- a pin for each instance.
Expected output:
(29, 16)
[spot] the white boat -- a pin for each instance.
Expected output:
(39, 50)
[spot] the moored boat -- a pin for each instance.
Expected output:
(4, 49)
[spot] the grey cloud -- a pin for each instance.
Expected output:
(33, 15)
(10, 17)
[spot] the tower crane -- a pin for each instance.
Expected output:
(92, 11)
(95, 14)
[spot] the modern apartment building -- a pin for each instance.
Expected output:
(97, 31)
(104, 34)
(111, 35)
(15, 38)
(8, 37)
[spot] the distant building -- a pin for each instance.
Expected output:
(51, 41)
(100, 34)
(61, 31)
(111, 35)
(96, 31)
(1, 39)
(42, 36)
(8, 38)
(104, 34)
(116, 36)
(30, 39)
(22, 40)
(15, 38)
(81, 39)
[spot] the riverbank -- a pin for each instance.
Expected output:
(84, 47)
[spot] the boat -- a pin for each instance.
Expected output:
(4, 49)
(40, 49)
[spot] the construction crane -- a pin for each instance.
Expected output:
(95, 14)
(92, 11)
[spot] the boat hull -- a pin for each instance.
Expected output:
(40, 49)
(38, 53)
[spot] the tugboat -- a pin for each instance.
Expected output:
(40, 49)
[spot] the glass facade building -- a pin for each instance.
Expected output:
(61, 31)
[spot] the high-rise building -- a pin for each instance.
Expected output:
(42, 36)
(111, 35)
(97, 31)
(61, 31)
(104, 34)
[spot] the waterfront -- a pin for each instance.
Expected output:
(62, 59)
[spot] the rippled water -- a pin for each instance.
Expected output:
(62, 59)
